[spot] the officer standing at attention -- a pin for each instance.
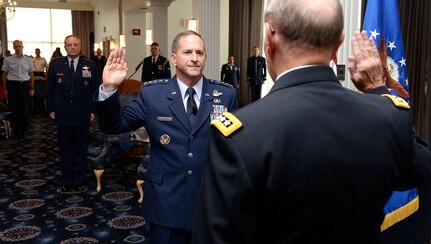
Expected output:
(18, 84)
(296, 181)
(100, 62)
(176, 113)
(155, 66)
(256, 73)
(230, 72)
(71, 84)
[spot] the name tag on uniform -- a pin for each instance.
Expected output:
(164, 119)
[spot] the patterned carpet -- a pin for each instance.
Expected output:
(33, 211)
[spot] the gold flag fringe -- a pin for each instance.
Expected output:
(400, 214)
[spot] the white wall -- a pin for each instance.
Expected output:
(135, 44)
(352, 23)
(106, 21)
(224, 33)
(178, 12)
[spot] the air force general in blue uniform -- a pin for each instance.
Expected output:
(177, 148)
(69, 99)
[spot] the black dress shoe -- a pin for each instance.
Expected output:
(79, 188)
(65, 189)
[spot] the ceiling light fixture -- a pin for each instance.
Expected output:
(7, 9)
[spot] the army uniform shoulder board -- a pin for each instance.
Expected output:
(155, 82)
(227, 124)
(398, 101)
(220, 83)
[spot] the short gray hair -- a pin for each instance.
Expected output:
(305, 25)
(181, 35)
(69, 36)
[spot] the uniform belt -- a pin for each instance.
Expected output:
(20, 81)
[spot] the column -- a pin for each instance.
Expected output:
(159, 24)
(352, 23)
(207, 12)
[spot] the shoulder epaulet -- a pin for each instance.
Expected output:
(398, 101)
(156, 82)
(227, 124)
(220, 83)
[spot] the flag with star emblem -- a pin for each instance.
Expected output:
(382, 23)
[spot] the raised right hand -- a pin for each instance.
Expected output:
(365, 67)
(115, 70)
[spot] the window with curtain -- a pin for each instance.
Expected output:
(39, 28)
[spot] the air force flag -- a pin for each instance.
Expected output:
(382, 23)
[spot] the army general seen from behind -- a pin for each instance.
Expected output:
(312, 161)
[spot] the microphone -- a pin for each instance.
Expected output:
(139, 65)
(136, 70)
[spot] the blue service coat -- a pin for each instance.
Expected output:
(160, 70)
(230, 74)
(177, 150)
(71, 96)
(256, 74)
(320, 171)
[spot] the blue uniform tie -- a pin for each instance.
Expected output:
(72, 67)
(192, 108)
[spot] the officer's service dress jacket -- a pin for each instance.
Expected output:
(256, 72)
(312, 162)
(161, 69)
(230, 73)
(177, 149)
(69, 95)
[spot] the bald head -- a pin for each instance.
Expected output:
(314, 24)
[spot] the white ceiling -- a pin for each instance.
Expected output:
(61, 4)
(44, 1)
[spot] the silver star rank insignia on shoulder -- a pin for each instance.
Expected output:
(227, 124)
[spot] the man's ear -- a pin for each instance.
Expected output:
(174, 59)
(340, 41)
(269, 41)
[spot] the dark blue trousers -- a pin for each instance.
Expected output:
(255, 90)
(72, 145)
(19, 101)
(164, 235)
